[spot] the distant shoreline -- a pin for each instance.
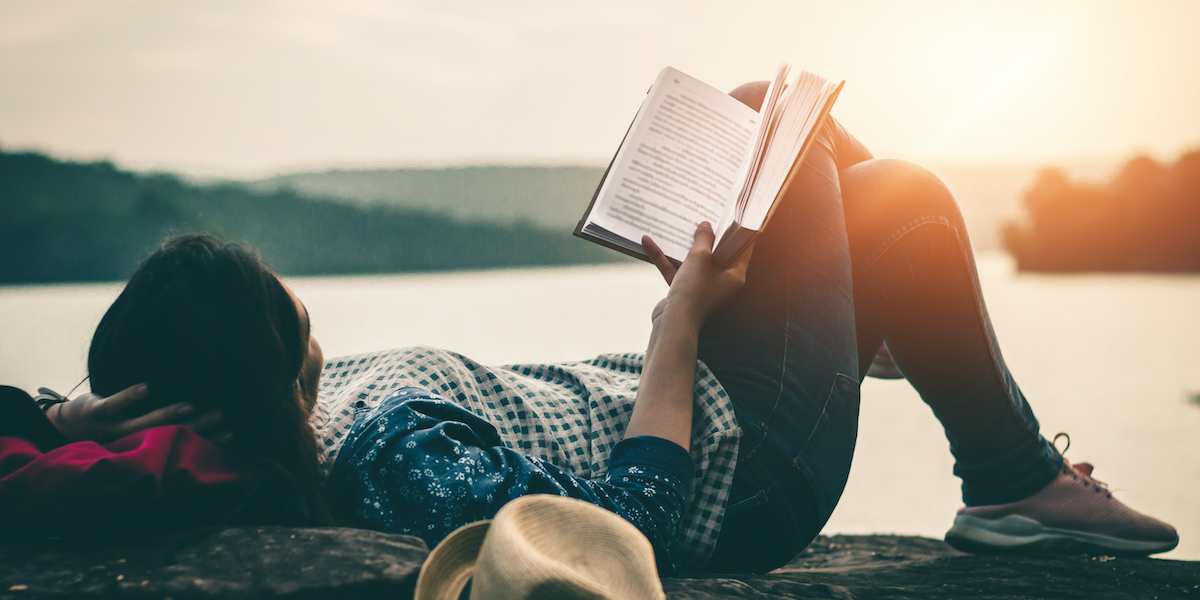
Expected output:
(74, 222)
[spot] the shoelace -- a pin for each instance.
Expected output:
(1081, 470)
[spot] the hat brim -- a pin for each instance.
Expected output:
(449, 567)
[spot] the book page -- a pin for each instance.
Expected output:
(801, 108)
(769, 118)
(678, 164)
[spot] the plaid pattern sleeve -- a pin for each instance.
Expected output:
(570, 415)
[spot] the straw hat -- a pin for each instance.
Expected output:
(543, 546)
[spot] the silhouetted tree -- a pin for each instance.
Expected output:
(1146, 219)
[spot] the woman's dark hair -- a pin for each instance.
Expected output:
(208, 322)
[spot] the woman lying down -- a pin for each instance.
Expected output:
(727, 443)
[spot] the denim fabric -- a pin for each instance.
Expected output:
(915, 285)
(826, 284)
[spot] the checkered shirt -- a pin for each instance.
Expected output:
(570, 414)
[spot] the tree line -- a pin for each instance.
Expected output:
(70, 221)
(1147, 218)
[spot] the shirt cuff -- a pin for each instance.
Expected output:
(656, 453)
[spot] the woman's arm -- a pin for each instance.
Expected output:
(664, 399)
(103, 419)
(698, 287)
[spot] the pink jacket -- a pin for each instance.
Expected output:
(165, 477)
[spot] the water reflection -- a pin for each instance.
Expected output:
(1111, 359)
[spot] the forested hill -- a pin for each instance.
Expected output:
(67, 221)
(550, 196)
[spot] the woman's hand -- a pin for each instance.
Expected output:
(698, 286)
(93, 418)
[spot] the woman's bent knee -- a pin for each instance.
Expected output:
(890, 186)
(751, 94)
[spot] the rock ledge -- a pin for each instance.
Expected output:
(304, 563)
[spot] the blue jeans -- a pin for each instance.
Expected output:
(860, 251)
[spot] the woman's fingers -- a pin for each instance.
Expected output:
(176, 414)
(704, 239)
(206, 424)
(659, 259)
(168, 415)
(90, 417)
(699, 285)
(702, 285)
(122, 399)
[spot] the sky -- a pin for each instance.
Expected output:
(244, 88)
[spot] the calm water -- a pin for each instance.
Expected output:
(1113, 360)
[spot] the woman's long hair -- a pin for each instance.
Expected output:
(209, 323)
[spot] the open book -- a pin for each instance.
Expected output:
(694, 154)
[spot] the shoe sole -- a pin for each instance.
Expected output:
(1016, 534)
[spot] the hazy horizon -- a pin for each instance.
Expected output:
(1083, 167)
(245, 90)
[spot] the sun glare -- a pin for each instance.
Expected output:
(1001, 75)
(374, 83)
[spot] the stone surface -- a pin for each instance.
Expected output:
(887, 567)
(230, 563)
(277, 562)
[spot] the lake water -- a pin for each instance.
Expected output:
(1112, 359)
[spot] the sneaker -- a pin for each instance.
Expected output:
(1073, 514)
